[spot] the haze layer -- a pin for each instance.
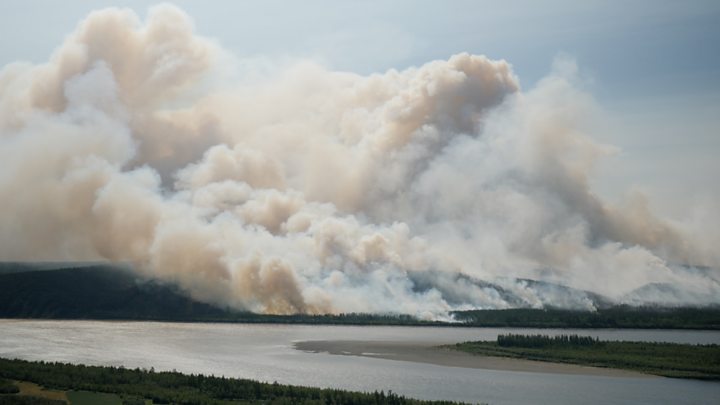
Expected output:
(290, 188)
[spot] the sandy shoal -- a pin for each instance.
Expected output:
(432, 354)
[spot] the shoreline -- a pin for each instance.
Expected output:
(430, 353)
(437, 324)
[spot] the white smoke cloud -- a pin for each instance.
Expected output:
(314, 191)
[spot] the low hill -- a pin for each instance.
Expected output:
(92, 292)
(97, 291)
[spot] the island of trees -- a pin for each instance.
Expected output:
(664, 359)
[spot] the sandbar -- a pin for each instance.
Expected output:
(430, 353)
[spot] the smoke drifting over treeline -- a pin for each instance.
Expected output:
(299, 189)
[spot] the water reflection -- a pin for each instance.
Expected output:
(265, 352)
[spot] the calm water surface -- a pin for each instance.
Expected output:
(265, 352)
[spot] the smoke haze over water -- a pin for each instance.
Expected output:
(297, 189)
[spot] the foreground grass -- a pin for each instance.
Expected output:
(135, 386)
(664, 359)
(28, 389)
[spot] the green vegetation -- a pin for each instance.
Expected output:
(30, 396)
(96, 292)
(621, 316)
(7, 387)
(109, 293)
(535, 341)
(93, 398)
(31, 390)
(28, 400)
(134, 386)
(665, 359)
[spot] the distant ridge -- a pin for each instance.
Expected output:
(110, 292)
(91, 292)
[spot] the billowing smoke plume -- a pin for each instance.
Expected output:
(299, 189)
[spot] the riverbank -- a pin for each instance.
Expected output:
(266, 353)
(444, 356)
(58, 382)
(663, 359)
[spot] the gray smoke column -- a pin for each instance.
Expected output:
(299, 189)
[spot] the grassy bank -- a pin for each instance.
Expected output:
(80, 384)
(664, 359)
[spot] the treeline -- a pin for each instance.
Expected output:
(328, 319)
(665, 359)
(622, 316)
(534, 341)
(107, 293)
(94, 292)
(135, 385)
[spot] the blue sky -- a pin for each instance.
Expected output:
(654, 66)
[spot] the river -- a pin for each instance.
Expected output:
(266, 353)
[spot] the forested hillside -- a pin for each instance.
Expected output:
(109, 292)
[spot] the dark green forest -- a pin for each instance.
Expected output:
(534, 341)
(104, 292)
(135, 385)
(108, 293)
(7, 387)
(665, 359)
(27, 400)
(621, 316)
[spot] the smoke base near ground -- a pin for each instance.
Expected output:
(297, 189)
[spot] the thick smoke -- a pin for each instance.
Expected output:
(301, 189)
